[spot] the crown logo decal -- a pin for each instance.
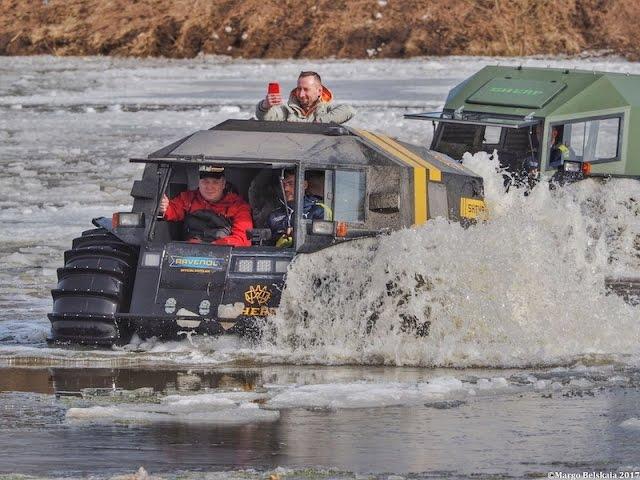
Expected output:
(257, 294)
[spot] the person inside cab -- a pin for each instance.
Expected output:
(281, 220)
(559, 152)
(210, 214)
(310, 101)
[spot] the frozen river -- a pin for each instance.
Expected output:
(531, 367)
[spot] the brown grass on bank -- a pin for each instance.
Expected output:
(319, 28)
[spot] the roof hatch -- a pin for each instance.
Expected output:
(509, 92)
(472, 118)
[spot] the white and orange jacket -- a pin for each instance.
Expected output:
(324, 111)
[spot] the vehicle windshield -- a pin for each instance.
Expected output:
(516, 147)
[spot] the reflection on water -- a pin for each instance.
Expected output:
(70, 381)
(557, 419)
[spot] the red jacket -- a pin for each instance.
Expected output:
(232, 206)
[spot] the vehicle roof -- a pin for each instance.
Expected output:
(265, 142)
(543, 92)
(256, 143)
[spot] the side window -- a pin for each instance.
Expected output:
(454, 140)
(608, 132)
(492, 135)
(349, 196)
(320, 189)
(460, 134)
(342, 193)
(593, 140)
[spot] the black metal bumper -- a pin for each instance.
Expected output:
(168, 327)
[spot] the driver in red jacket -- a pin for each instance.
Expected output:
(210, 214)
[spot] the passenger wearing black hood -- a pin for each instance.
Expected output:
(310, 101)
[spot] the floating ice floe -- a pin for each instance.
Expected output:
(631, 423)
(232, 408)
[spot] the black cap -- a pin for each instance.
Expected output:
(211, 171)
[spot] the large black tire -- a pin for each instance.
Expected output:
(93, 286)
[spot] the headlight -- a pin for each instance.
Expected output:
(574, 167)
(263, 265)
(127, 219)
(244, 265)
(322, 227)
(281, 266)
(151, 259)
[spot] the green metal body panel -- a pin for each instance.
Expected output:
(558, 96)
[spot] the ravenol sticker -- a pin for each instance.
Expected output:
(197, 263)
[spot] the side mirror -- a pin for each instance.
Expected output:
(384, 202)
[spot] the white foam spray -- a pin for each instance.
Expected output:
(524, 288)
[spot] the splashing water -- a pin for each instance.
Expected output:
(524, 288)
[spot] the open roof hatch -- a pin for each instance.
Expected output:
(509, 92)
(473, 118)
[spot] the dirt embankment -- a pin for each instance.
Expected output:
(318, 28)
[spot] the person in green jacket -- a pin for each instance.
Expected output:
(310, 101)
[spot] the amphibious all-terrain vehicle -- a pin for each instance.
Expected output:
(517, 111)
(135, 273)
(527, 115)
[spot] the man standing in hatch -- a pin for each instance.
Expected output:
(310, 101)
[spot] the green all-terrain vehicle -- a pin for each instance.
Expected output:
(516, 111)
(135, 273)
(565, 125)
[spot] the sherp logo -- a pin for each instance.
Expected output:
(516, 91)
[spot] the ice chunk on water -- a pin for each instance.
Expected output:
(631, 423)
(363, 395)
(224, 408)
(18, 259)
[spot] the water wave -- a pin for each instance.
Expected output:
(524, 288)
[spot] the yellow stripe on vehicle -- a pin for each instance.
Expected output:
(420, 198)
(435, 174)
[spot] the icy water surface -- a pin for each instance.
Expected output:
(319, 422)
(530, 365)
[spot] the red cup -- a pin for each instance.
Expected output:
(274, 88)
